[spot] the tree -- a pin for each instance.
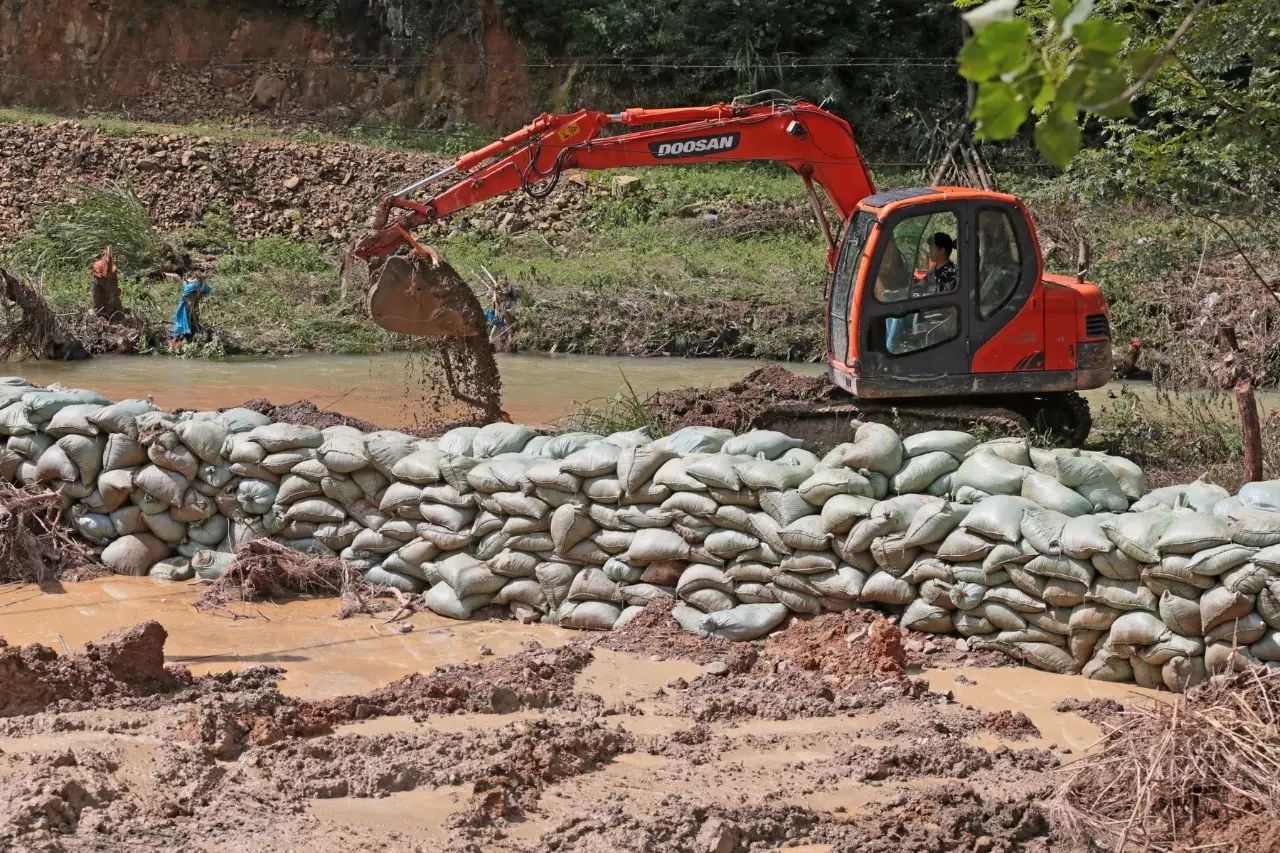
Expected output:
(1058, 62)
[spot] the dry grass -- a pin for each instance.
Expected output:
(37, 542)
(263, 569)
(1180, 776)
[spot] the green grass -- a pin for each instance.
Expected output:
(70, 234)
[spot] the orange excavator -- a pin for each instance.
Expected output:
(938, 312)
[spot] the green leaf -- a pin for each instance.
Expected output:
(1058, 134)
(1101, 35)
(1103, 86)
(1001, 48)
(1079, 12)
(974, 63)
(1044, 94)
(1140, 59)
(1060, 9)
(999, 110)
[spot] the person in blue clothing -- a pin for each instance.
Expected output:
(186, 320)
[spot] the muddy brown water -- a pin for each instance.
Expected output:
(536, 389)
(539, 389)
(324, 656)
(756, 762)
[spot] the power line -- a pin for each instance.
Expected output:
(614, 62)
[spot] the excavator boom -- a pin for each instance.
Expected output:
(816, 144)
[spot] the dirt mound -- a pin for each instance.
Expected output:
(655, 633)
(124, 663)
(1096, 711)
(842, 646)
(534, 678)
(737, 406)
(945, 758)
(305, 413)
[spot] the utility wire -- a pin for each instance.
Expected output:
(615, 62)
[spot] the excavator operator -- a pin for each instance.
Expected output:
(942, 270)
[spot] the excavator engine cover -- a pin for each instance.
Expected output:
(423, 297)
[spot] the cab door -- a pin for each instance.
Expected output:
(915, 323)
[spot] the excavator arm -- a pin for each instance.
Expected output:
(816, 144)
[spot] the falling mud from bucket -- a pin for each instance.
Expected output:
(451, 367)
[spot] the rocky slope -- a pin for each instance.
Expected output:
(173, 61)
(312, 191)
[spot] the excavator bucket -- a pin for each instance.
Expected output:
(423, 297)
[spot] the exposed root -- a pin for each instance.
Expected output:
(263, 569)
(36, 541)
(29, 326)
(1175, 776)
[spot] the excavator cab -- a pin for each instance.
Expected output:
(996, 325)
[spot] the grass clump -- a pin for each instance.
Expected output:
(621, 411)
(71, 234)
(1181, 435)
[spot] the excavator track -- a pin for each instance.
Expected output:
(824, 424)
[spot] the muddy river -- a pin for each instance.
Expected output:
(537, 388)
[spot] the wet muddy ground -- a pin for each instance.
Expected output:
(839, 733)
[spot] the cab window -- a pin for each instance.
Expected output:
(919, 259)
(999, 261)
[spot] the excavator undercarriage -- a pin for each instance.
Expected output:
(1063, 418)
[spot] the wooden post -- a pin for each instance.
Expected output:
(1250, 431)
(1246, 403)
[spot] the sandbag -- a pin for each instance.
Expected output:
(134, 554)
(278, 437)
(1219, 605)
(695, 439)
(1138, 533)
(989, 474)
(999, 517)
(954, 442)
(172, 569)
(1255, 527)
(876, 447)
(1193, 532)
(1094, 480)
(744, 622)
(441, 599)
(760, 442)
(920, 471)
(73, 420)
(1052, 495)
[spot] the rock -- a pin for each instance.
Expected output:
(715, 837)
(267, 91)
(962, 645)
(718, 667)
(291, 182)
(984, 844)
(625, 185)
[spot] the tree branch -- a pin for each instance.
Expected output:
(1266, 285)
(1156, 63)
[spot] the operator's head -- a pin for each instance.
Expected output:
(941, 247)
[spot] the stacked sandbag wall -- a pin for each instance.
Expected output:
(1057, 557)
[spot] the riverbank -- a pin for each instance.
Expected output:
(718, 261)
